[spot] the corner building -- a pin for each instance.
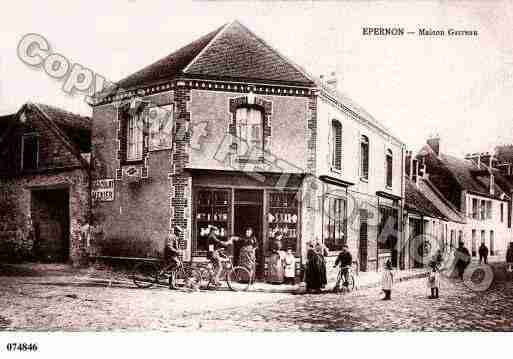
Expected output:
(228, 132)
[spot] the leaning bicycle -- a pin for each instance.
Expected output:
(236, 278)
(147, 274)
(347, 284)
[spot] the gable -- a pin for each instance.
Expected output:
(53, 148)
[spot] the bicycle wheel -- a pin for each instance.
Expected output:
(145, 274)
(238, 279)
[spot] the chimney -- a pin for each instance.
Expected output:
(408, 164)
(434, 143)
(332, 81)
(492, 184)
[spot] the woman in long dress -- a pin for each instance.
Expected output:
(314, 273)
(276, 273)
(247, 256)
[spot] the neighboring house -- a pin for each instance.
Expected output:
(480, 192)
(44, 184)
(430, 216)
(425, 225)
(226, 131)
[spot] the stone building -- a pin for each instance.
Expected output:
(226, 131)
(44, 184)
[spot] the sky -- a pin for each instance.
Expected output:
(460, 88)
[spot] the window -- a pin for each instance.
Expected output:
(388, 226)
(364, 157)
(492, 244)
(502, 212)
(336, 150)
(460, 236)
(453, 238)
(134, 138)
(389, 168)
(474, 244)
(334, 221)
(489, 209)
(249, 131)
(483, 209)
(483, 236)
(475, 210)
(160, 121)
(30, 152)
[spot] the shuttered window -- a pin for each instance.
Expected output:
(134, 139)
(364, 157)
(336, 150)
(389, 169)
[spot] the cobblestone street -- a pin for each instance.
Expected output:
(28, 303)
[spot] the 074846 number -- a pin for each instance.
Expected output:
(21, 347)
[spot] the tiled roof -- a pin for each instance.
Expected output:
(169, 66)
(416, 201)
(230, 52)
(469, 176)
(439, 201)
(75, 127)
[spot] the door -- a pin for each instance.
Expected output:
(416, 242)
(248, 212)
(50, 215)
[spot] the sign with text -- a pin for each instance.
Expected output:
(103, 190)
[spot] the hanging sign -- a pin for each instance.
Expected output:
(103, 190)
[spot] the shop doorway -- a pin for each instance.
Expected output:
(248, 212)
(50, 215)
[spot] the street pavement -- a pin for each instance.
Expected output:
(34, 303)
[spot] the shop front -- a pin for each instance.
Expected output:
(234, 202)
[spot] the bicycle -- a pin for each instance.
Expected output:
(237, 278)
(347, 286)
(147, 274)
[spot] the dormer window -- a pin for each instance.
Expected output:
(249, 122)
(30, 152)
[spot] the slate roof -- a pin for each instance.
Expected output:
(229, 52)
(416, 201)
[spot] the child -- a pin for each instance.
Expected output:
(290, 267)
(388, 281)
(433, 281)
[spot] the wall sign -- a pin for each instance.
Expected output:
(103, 190)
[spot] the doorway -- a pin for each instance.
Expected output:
(248, 212)
(416, 242)
(50, 215)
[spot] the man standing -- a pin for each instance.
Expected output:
(462, 259)
(172, 255)
(345, 260)
(483, 253)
